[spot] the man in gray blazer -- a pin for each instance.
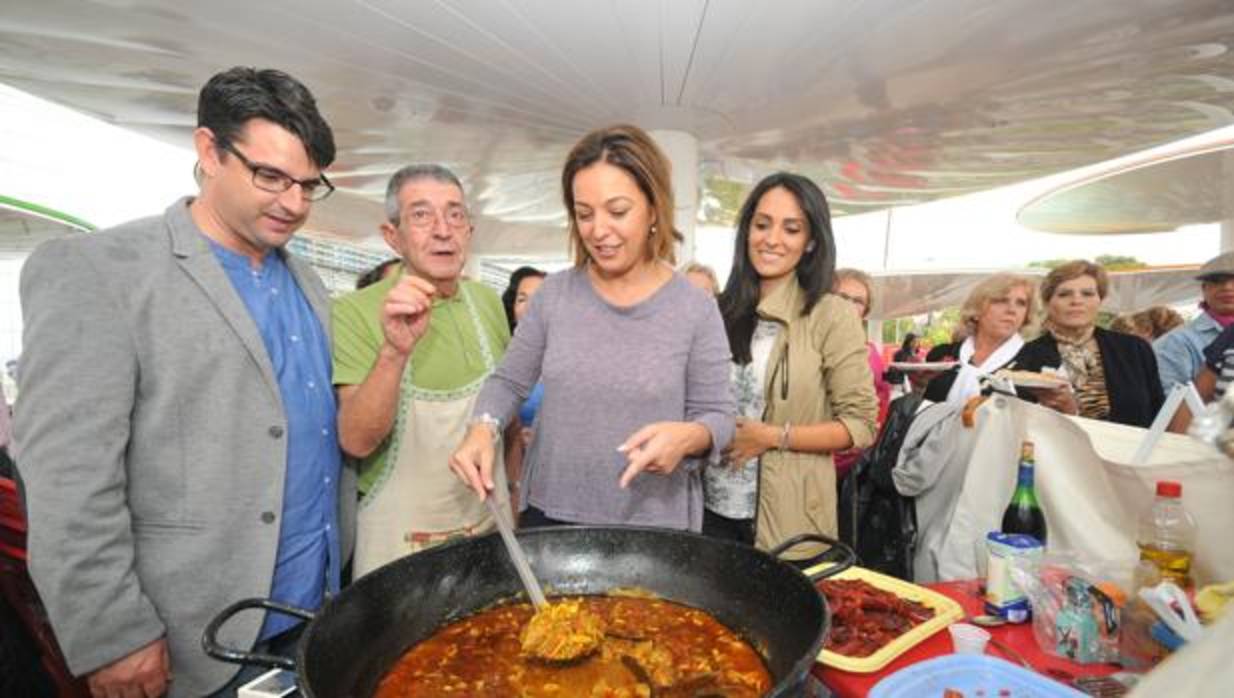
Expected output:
(177, 429)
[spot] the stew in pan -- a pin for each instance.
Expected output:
(649, 647)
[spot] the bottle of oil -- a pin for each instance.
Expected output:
(1023, 514)
(1167, 534)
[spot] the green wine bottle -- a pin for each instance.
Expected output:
(1023, 514)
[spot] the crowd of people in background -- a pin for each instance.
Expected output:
(223, 399)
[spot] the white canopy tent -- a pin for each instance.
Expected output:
(885, 103)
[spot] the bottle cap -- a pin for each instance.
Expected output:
(1169, 488)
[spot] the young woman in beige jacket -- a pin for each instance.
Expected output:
(800, 371)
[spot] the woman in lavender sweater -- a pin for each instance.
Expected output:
(634, 359)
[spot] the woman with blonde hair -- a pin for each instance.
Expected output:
(633, 359)
(994, 314)
(857, 287)
(1113, 375)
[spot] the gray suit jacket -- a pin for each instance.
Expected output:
(151, 441)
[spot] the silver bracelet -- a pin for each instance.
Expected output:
(784, 437)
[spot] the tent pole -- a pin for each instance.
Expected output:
(887, 240)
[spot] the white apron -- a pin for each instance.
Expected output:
(417, 502)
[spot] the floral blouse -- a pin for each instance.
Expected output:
(731, 489)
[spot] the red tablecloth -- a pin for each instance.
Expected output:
(1019, 637)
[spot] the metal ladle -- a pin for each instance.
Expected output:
(499, 511)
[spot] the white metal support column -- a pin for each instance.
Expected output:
(682, 151)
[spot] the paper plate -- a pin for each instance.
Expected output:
(1035, 380)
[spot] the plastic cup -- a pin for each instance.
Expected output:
(968, 639)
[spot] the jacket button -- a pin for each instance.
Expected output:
(275, 432)
(267, 517)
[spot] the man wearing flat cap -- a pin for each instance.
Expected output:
(1180, 354)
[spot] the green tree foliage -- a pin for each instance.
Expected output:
(894, 331)
(937, 328)
(1112, 262)
(721, 200)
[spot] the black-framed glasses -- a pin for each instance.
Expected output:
(276, 181)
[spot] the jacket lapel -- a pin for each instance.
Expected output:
(780, 306)
(194, 256)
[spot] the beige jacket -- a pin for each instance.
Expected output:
(823, 355)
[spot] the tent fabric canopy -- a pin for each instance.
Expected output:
(884, 103)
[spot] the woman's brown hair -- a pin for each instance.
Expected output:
(1161, 320)
(631, 149)
(1073, 270)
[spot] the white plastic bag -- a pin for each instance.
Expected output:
(1090, 493)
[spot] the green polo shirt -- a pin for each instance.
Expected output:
(447, 360)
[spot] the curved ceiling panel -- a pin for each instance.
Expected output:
(1158, 195)
(886, 102)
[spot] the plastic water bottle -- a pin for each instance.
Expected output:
(1167, 534)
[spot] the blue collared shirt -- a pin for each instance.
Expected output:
(308, 563)
(1180, 353)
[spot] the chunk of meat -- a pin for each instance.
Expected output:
(564, 631)
(655, 664)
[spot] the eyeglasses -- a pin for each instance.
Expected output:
(852, 299)
(276, 181)
(453, 216)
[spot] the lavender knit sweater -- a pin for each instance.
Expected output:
(607, 372)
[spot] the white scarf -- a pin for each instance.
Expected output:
(968, 380)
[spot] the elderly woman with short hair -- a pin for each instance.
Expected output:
(856, 287)
(994, 314)
(1113, 375)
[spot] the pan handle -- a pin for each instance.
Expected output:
(848, 558)
(210, 642)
